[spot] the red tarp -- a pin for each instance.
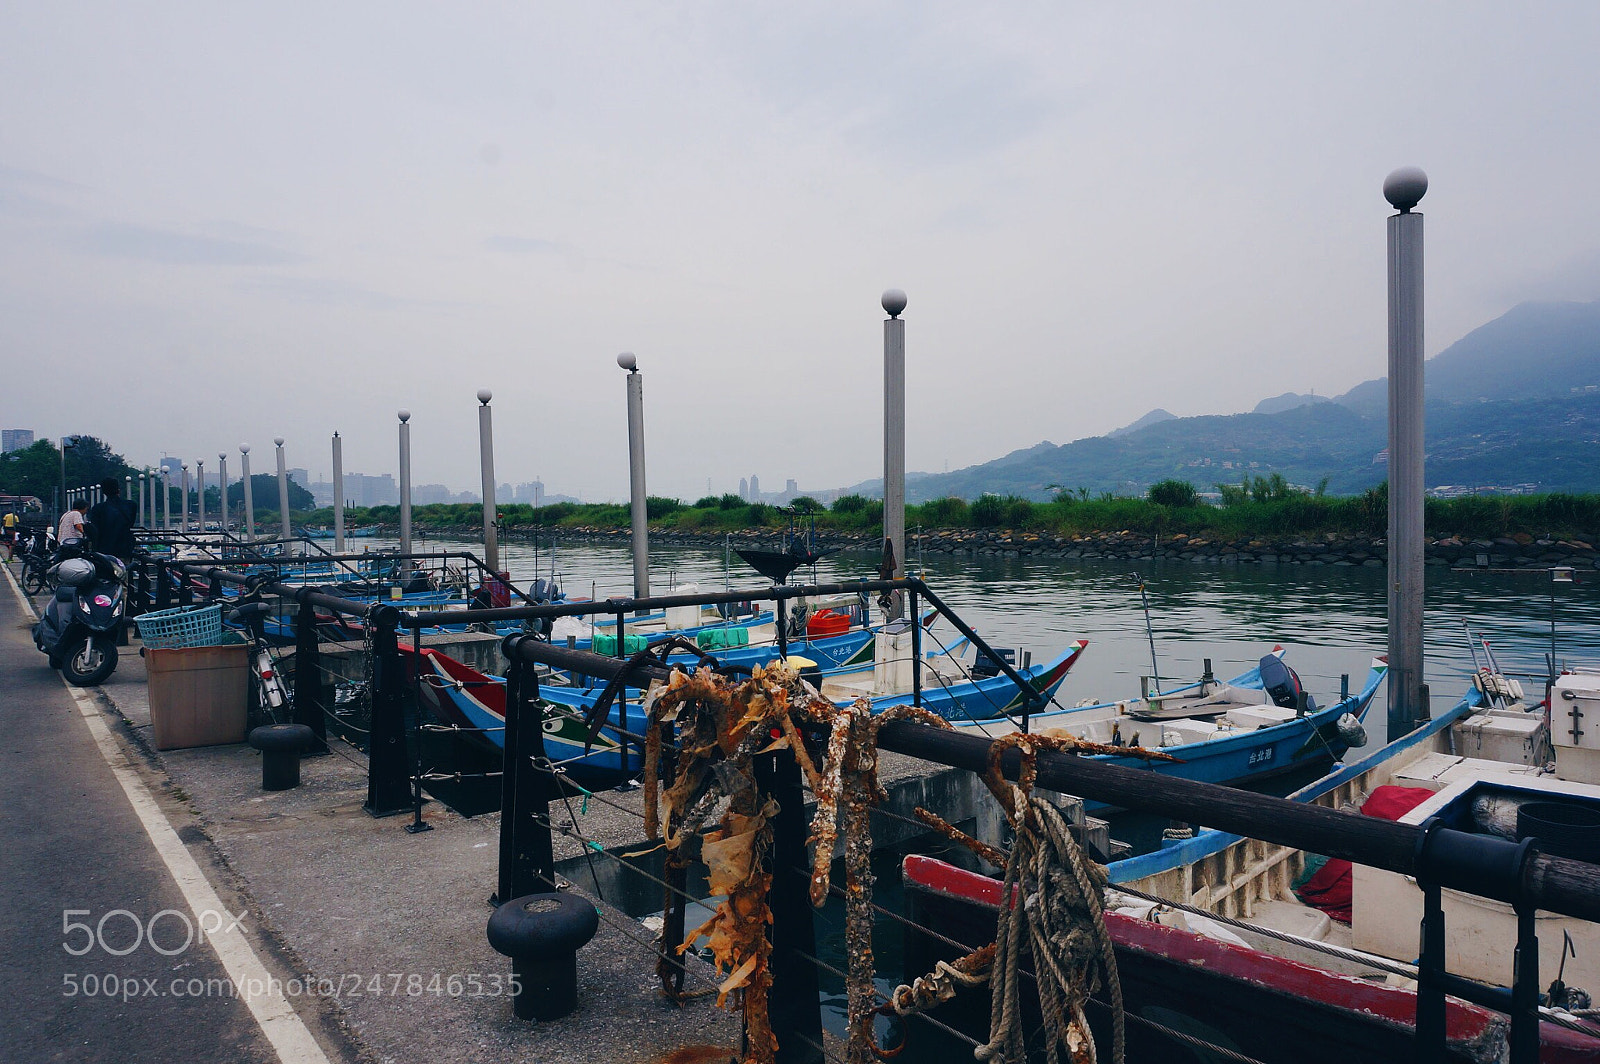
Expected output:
(1329, 889)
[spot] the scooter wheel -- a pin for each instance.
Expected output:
(90, 661)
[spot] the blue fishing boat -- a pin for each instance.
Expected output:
(1231, 732)
(463, 696)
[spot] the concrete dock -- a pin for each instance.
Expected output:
(318, 889)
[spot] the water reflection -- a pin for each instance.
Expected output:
(1331, 618)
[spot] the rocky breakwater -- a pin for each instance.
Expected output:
(1521, 551)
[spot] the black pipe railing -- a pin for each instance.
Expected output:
(1557, 884)
(1436, 856)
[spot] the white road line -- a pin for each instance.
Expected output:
(252, 982)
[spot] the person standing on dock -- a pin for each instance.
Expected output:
(111, 522)
(11, 534)
(71, 526)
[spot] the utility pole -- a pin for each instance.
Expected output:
(894, 437)
(249, 496)
(283, 495)
(338, 494)
(1404, 189)
(491, 542)
(636, 489)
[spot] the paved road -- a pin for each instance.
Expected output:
(70, 840)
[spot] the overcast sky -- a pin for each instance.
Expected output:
(226, 222)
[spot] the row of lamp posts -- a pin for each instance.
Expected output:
(1404, 189)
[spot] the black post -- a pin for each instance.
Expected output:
(1525, 989)
(417, 825)
(511, 770)
(622, 703)
(163, 587)
(793, 1001)
(916, 649)
(1430, 1032)
(532, 852)
(308, 686)
(388, 789)
(780, 613)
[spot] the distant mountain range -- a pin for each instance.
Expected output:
(1515, 402)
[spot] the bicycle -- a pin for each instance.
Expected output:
(271, 696)
(36, 565)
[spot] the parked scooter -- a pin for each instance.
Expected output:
(84, 618)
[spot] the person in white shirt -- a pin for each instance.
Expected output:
(71, 524)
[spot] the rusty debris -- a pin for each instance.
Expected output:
(719, 725)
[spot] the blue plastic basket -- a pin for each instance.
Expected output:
(186, 626)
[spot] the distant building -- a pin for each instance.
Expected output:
(15, 440)
(299, 476)
(755, 489)
(430, 494)
(502, 493)
(173, 467)
(364, 489)
(744, 489)
(531, 493)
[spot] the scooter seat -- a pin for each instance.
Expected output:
(65, 593)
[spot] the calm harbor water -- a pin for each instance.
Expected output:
(1331, 618)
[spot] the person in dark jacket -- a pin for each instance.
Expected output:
(111, 522)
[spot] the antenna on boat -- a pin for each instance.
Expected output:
(1149, 631)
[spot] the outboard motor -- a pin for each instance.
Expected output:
(1283, 685)
(82, 622)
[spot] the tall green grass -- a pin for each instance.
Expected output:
(1266, 512)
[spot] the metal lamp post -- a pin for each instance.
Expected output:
(641, 514)
(405, 483)
(338, 494)
(127, 492)
(66, 442)
(166, 499)
(491, 543)
(894, 436)
(200, 493)
(222, 484)
(143, 520)
(249, 497)
(1404, 189)
(184, 514)
(283, 494)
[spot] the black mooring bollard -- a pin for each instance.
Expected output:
(281, 746)
(542, 934)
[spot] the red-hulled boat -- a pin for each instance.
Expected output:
(1255, 1003)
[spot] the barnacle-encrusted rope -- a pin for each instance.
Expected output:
(1050, 903)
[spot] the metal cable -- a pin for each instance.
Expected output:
(1180, 1036)
(881, 996)
(1370, 960)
